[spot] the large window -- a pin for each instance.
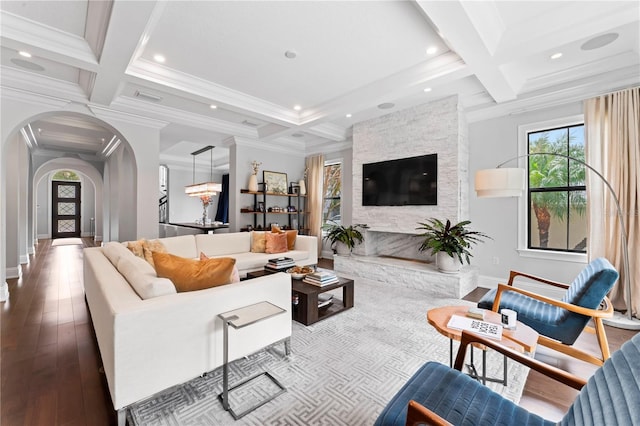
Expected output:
(557, 197)
(331, 209)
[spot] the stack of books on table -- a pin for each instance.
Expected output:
(321, 278)
(279, 264)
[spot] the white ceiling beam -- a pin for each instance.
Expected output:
(129, 23)
(41, 40)
(459, 27)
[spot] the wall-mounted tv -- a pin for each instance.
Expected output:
(405, 182)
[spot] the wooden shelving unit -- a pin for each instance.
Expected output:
(296, 200)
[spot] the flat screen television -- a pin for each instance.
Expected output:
(405, 182)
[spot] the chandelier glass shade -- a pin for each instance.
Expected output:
(205, 189)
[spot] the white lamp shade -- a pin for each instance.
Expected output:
(206, 189)
(502, 182)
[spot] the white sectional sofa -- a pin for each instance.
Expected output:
(148, 345)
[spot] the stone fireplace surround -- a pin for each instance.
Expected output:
(390, 249)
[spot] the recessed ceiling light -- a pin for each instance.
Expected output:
(599, 41)
(386, 105)
(432, 50)
(427, 89)
(159, 58)
(102, 139)
(290, 54)
(24, 53)
(297, 107)
(556, 55)
(348, 115)
(212, 106)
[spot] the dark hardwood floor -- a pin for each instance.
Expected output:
(50, 364)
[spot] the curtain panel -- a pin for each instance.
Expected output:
(315, 195)
(612, 124)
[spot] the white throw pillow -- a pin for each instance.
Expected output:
(142, 278)
(114, 251)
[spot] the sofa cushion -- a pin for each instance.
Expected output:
(183, 246)
(235, 274)
(149, 246)
(258, 242)
(136, 247)
(114, 251)
(292, 235)
(190, 274)
(223, 244)
(142, 278)
(276, 243)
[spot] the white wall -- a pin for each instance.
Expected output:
(492, 142)
(242, 153)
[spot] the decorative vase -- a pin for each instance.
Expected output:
(253, 183)
(342, 249)
(303, 187)
(447, 264)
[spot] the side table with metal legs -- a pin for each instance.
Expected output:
(240, 318)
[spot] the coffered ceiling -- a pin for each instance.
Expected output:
(296, 75)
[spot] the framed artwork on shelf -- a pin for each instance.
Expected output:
(276, 182)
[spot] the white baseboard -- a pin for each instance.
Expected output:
(97, 238)
(24, 259)
(44, 236)
(32, 250)
(4, 292)
(14, 272)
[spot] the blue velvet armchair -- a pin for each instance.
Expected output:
(437, 394)
(560, 322)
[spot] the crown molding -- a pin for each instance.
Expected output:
(128, 104)
(108, 114)
(148, 71)
(48, 42)
(329, 131)
(276, 145)
(43, 85)
(18, 95)
(577, 92)
(328, 148)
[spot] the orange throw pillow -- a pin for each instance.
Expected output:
(190, 274)
(291, 236)
(276, 243)
(235, 274)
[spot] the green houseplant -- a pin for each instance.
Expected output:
(348, 236)
(449, 243)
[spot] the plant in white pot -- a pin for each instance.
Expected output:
(343, 238)
(449, 243)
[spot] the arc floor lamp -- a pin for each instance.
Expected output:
(509, 182)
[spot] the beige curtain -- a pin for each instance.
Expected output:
(315, 194)
(612, 127)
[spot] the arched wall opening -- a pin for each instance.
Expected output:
(18, 183)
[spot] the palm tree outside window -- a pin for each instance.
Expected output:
(557, 197)
(331, 209)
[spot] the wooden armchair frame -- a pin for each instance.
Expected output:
(595, 314)
(417, 414)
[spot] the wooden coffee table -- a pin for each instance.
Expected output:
(523, 338)
(305, 298)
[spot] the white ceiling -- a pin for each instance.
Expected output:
(350, 57)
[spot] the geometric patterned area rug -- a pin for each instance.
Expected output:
(66, 242)
(342, 371)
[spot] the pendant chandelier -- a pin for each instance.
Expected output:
(203, 190)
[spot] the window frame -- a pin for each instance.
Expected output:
(523, 202)
(331, 163)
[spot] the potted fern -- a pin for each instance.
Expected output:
(449, 243)
(343, 238)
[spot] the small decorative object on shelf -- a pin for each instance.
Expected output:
(302, 184)
(253, 179)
